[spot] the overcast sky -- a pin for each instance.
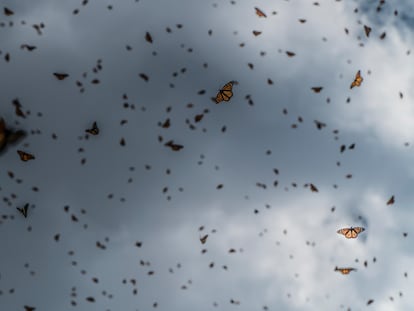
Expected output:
(241, 173)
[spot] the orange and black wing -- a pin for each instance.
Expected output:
(358, 80)
(351, 233)
(24, 156)
(225, 93)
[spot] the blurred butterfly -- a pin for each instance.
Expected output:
(60, 76)
(174, 147)
(367, 30)
(24, 156)
(260, 13)
(358, 80)
(8, 136)
(317, 89)
(8, 12)
(225, 93)
(256, 32)
(94, 130)
(344, 270)
(351, 233)
(203, 239)
(27, 308)
(23, 210)
(391, 201)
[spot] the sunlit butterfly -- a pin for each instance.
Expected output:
(358, 80)
(24, 156)
(23, 210)
(94, 130)
(344, 270)
(225, 93)
(351, 233)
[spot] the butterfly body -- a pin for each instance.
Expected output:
(351, 233)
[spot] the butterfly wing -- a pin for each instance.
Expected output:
(219, 97)
(24, 156)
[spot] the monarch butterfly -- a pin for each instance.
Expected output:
(94, 130)
(60, 76)
(203, 239)
(358, 80)
(225, 93)
(344, 270)
(7, 136)
(367, 30)
(173, 146)
(351, 233)
(317, 89)
(23, 210)
(391, 201)
(260, 13)
(24, 156)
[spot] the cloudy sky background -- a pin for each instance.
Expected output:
(275, 264)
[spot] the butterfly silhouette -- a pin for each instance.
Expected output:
(260, 13)
(23, 210)
(203, 239)
(225, 93)
(94, 130)
(351, 233)
(60, 76)
(391, 201)
(24, 156)
(8, 136)
(367, 30)
(358, 80)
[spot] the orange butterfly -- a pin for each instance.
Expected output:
(351, 233)
(344, 270)
(225, 93)
(24, 156)
(358, 80)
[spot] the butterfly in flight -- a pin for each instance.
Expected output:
(344, 270)
(94, 130)
(24, 156)
(391, 200)
(225, 93)
(203, 239)
(23, 210)
(367, 30)
(60, 76)
(351, 233)
(8, 136)
(358, 80)
(260, 13)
